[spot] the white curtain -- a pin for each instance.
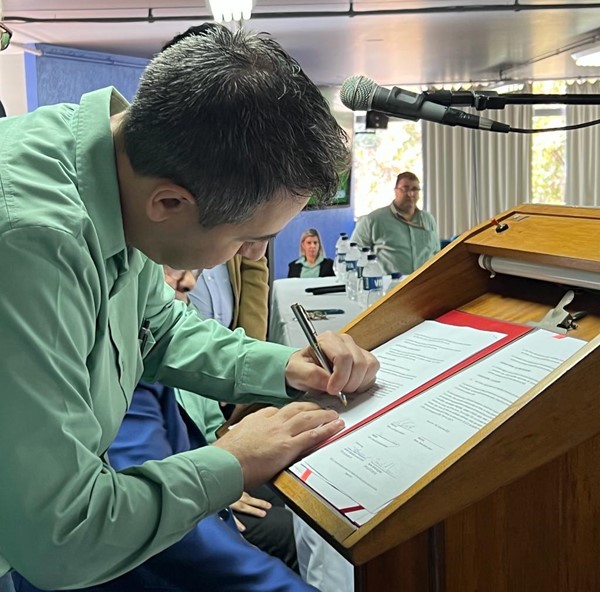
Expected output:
(472, 175)
(583, 150)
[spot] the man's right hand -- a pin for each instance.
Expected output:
(269, 440)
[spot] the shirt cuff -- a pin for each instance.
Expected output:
(263, 370)
(220, 475)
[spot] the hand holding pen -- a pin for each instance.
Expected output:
(311, 335)
(352, 369)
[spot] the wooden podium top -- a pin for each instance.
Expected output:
(539, 426)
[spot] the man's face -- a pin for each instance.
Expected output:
(190, 246)
(407, 193)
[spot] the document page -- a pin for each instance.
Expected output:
(410, 361)
(377, 462)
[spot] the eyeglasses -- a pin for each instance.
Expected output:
(408, 189)
(5, 36)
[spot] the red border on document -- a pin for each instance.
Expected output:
(460, 319)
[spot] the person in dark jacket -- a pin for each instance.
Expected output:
(312, 261)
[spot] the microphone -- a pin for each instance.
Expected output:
(360, 93)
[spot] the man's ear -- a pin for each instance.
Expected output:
(168, 200)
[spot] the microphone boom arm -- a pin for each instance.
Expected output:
(488, 99)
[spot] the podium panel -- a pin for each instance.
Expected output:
(517, 507)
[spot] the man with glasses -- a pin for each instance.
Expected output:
(402, 235)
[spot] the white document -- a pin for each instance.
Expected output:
(334, 496)
(380, 460)
(408, 361)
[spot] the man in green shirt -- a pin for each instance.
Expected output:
(401, 235)
(221, 147)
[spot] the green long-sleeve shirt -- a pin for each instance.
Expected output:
(399, 246)
(73, 299)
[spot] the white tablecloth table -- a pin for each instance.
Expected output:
(320, 564)
(283, 327)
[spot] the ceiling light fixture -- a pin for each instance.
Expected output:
(587, 57)
(231, 10)
(506, 86)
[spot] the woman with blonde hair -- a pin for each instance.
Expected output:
(312, 262)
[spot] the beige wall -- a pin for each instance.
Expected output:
(12, 82)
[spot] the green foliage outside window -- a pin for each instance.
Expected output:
(548, 162)
(379, 155)
(548, 149)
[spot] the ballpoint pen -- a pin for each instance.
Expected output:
(311, 335)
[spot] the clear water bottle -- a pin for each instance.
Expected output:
(338, 242)
(340, 259)
(351, 271)
(395, 280)
(372, 280)
(337, 248)
(362, 261)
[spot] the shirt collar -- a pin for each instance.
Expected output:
(415, 222)
(302, 260)
(96, 168)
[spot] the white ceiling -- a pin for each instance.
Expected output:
(412, 42)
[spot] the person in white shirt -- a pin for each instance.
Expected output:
(213, 295)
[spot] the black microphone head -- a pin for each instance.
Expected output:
(356, 92)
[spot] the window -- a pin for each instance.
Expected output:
(378, 157)
(548, 149)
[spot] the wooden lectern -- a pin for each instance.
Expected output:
(517, 507)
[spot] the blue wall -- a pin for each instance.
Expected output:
(328, 222)
(62, 75)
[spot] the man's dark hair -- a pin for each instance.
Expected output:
(195, 30)
(406, 175)
(233, 119)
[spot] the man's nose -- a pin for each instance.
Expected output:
(186, 282)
